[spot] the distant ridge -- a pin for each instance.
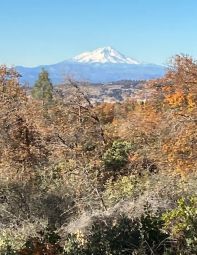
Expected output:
(98, 66)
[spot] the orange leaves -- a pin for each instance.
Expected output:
(181, 149)
(192, 102)
(164, 128)
(176, 99)
(178, 88)
(179, 98)
(106, 110)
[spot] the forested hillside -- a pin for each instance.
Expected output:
(110, 179)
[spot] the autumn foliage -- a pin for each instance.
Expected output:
(62, 157)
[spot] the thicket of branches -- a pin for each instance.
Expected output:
(113, 178)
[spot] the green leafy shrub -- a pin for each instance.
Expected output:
(6, 249)
(117, 156)
(120, 189)
(12, 239)
(182, 224)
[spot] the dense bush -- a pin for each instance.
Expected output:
(117, 155)
(121, 235)
(181, 223)
(120, 189)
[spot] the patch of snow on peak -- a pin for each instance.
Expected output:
(104, 55)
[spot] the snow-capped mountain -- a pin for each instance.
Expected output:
(98, 66)
(104, 55)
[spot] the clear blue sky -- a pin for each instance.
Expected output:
(36, 32)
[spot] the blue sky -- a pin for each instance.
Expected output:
(34, 32)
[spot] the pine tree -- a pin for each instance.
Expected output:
(43, 88)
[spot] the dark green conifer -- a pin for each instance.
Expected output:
(43, 88)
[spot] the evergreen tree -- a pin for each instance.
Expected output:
(43, 88)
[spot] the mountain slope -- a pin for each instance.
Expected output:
(104, 55)
(102, 65)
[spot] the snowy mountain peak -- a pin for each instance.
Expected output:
(104, 55)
